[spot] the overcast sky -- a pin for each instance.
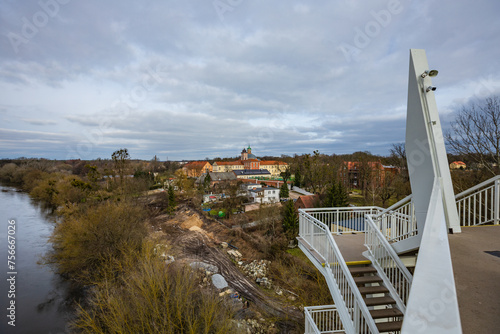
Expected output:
(195, 79)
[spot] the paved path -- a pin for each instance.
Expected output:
(477, 274)
(477, 278)
(351, 246)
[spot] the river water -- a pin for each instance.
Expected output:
(40, 295)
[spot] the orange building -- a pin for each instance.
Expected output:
(458, 165)
(196, 168)
(249, 161)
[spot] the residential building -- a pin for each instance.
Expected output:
(196, 168)
(250, 186)
(275, 167)
(227, 166)
(357, 173)
(307, 202)
(265, 195)
(458, 165)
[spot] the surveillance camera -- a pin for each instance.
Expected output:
(431, 73)
(430, 88)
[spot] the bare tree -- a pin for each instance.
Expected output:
(401, 182)
(398, 155)
(476, 133)
(121, 159)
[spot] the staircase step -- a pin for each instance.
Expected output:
(362, 270)
(389, 326)
(386, 313)
(367, 279)
(379, 301)
(368, 290)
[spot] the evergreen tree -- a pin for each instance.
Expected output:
(330, 198)
(298, 178)
(290, 220)
(284, 193)
(336, 196)
(341, 198)
(207, 181)
(171, 199)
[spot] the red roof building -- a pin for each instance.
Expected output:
(458, 165)
(307, 202)
(196, 168)
(356, 172)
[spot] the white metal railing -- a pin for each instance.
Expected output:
(480, 204)
(398, 222)
(351, 307)
(344, 219)
(396, 276)
(323, 320)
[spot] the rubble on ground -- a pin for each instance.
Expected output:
(204, 266)
(234, 254)
(258, 270)
(256, 326)
(161, 251)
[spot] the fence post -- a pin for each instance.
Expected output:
(496, 206)
(337, 221)
(357, 319)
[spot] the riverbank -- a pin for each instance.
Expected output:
(41, 296)
(133, 250)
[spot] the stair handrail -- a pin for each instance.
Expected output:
(322, 319)
(353, 215)
(480, 204)
(342, 279)
(385, 260)
(396, 205)
(477, 187)
(395, 223)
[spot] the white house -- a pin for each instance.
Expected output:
(251, 186)
(265, 195)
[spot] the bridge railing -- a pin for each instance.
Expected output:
(343, 219)
(396, 276)
(323, 320)
(480, 204)
(398, 222)
(351, 307)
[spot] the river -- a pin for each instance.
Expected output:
(40, 295)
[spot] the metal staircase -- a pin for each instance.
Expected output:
(387, 317)
(376, 295)
(386, 297)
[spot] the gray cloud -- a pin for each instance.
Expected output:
(185, 80)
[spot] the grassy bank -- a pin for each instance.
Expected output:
(101, 245)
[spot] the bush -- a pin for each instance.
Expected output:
(90, 245)
(31, 179)
(56, 189)
(154, 298)
(9, 172)
(297, 274)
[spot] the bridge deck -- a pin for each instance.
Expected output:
(477, 277)
(351, 246)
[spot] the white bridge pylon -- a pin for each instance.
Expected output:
(432, 305)
(425, 148)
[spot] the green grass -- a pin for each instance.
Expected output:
(297, 253)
